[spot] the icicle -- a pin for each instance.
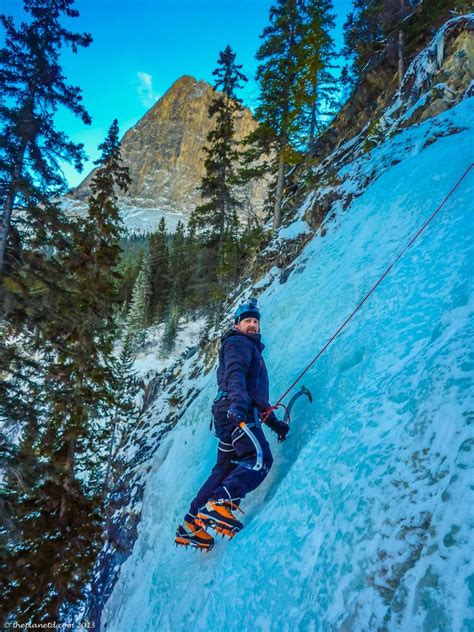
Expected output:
(440, 49)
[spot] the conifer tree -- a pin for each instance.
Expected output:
(139, 312)
(388, 29)
(58, 516)
(250, 243)
(227, 265)
(194, 250)
(315, 85)
(218, 184)
(35, 288)
(168, 340)
(128, 269)
(296, 91)
(124, 411)
(426, 16)
(179, 268)
(33, 86)
(160, 272)
(216, 216)
(277, 73)
(362, 36)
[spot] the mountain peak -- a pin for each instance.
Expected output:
(178, 95)
(185, 85)
(164, 152)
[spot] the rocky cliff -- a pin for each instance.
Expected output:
(165, 154)
(437, 79)
(447, 68)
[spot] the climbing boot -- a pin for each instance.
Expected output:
(192, 534)
(218, 515)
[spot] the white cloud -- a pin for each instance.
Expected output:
(145, 89)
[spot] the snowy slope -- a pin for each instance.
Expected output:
(136, 218)
(366, 520)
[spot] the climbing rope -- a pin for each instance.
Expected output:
(369, 293)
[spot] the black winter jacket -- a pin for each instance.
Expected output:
(242, 372)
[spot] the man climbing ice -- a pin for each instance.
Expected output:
(243, 454)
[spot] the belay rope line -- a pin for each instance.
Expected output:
(374, 287)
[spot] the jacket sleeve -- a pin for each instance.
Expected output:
(270, 419)
(237, 359)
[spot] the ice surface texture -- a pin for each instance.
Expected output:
(366, 520)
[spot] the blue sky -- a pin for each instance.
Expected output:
(140, 48)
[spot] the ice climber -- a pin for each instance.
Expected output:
(243, 454)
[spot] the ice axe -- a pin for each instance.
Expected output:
(303, 391)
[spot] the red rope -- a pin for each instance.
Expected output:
(373, 288)
(270, 408)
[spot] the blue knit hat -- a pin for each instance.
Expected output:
(247, 310)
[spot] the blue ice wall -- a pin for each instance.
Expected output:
(366, 520)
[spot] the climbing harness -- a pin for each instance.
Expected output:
(369, 293)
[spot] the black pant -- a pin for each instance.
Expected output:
(230, 480)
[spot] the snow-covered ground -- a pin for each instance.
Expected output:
(151, 360)
(366, 521)
(136, 217)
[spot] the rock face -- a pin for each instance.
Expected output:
(437, 79)
(440, 78)
(446, 69)
(165, 153)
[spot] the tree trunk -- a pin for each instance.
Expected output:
(27, 119)
(401, 42)
(107, 484)
(68, 471)
(401, 49)
(312, 124)
(7, 211)
(279, 189)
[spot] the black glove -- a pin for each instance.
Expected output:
(280, 427)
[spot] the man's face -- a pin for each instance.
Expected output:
(248, 326)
